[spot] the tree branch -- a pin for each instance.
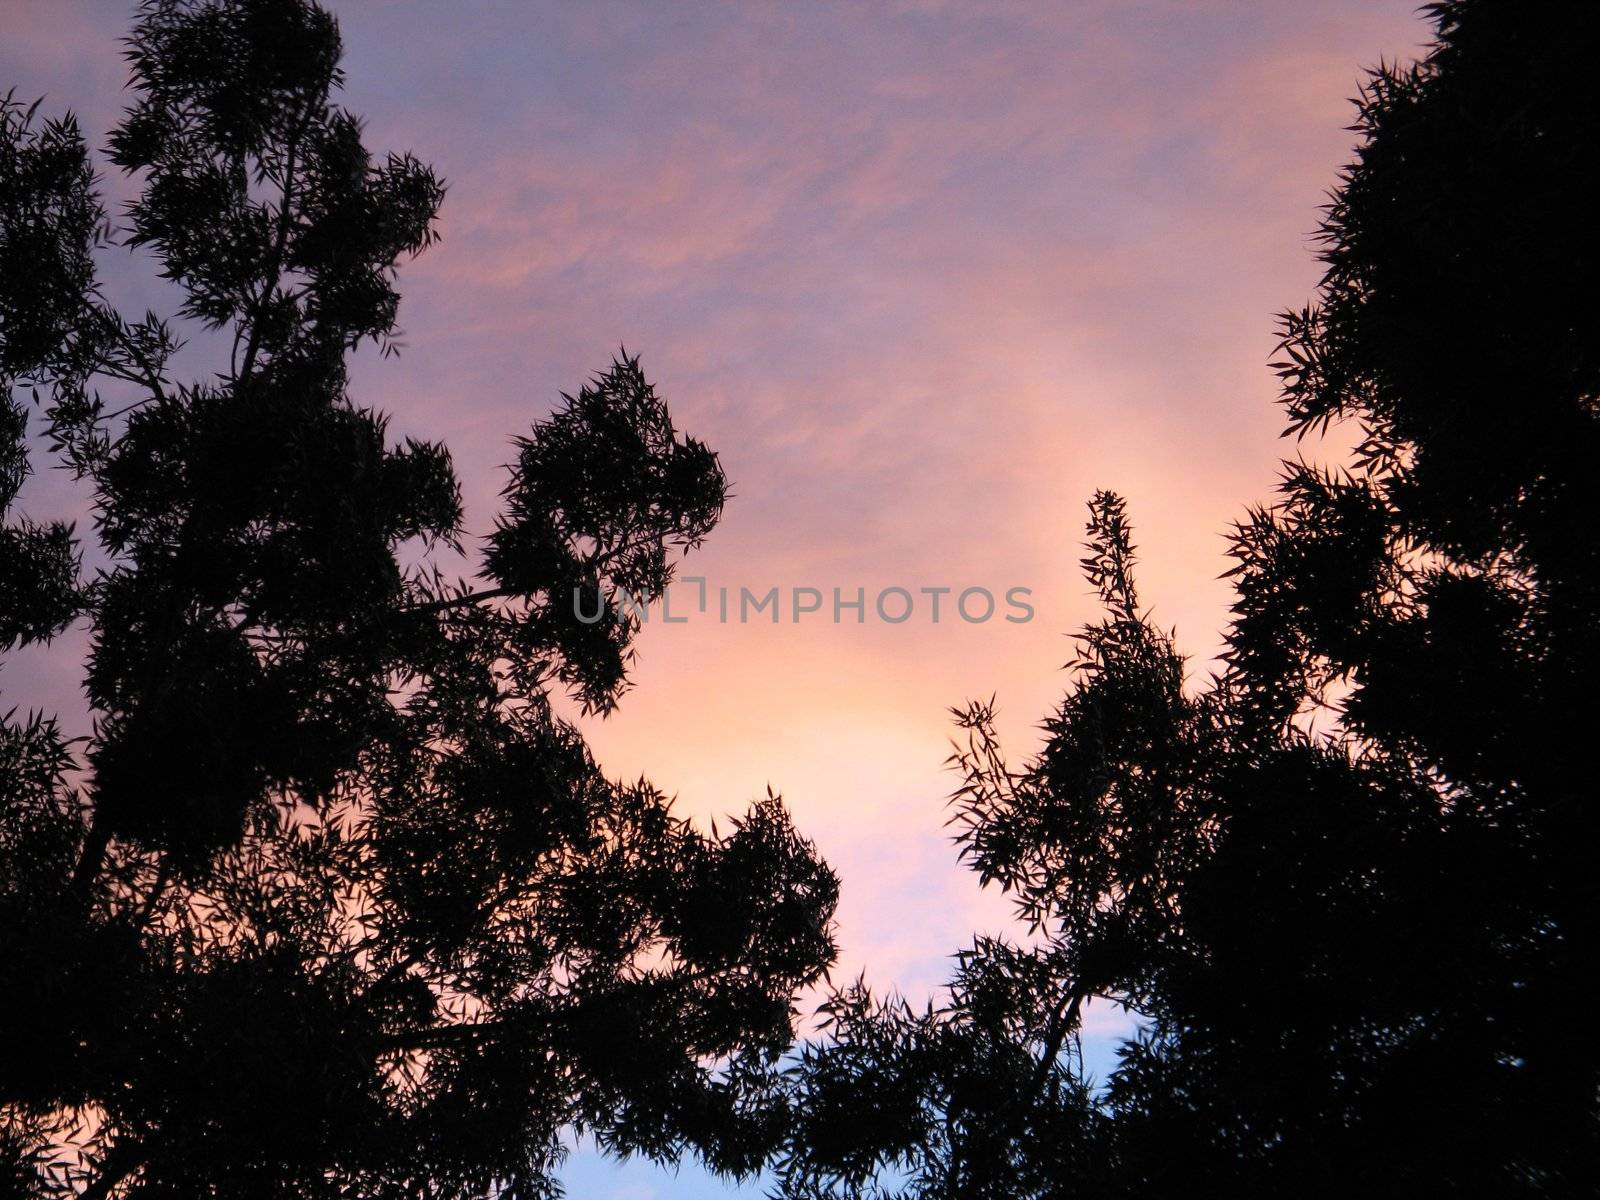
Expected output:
(120, 1162)
(280, 244)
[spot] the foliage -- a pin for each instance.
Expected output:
(1346, 883)
(333, 902)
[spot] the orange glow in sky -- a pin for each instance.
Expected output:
(925, 274)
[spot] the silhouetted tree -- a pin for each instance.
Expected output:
(332, 902)
(1348, 883)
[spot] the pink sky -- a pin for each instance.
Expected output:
(926, 274)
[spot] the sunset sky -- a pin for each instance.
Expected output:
(925, 274)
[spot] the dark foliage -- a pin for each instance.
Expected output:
(1348, 883)
(333, 902)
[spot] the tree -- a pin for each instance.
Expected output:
(1348, 882)
(333, 901)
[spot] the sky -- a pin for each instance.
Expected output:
(925, 274)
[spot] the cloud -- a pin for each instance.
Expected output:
(926, 278)
(926, 274)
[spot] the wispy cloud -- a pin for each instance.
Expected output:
(925, 273)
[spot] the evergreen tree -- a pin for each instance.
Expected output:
(1347, 883)
(333, 902)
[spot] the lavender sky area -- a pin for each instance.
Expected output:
(926, 274)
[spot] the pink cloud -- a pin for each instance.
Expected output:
(926, 275)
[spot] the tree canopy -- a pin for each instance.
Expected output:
(1347, 882)
(333, 901)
